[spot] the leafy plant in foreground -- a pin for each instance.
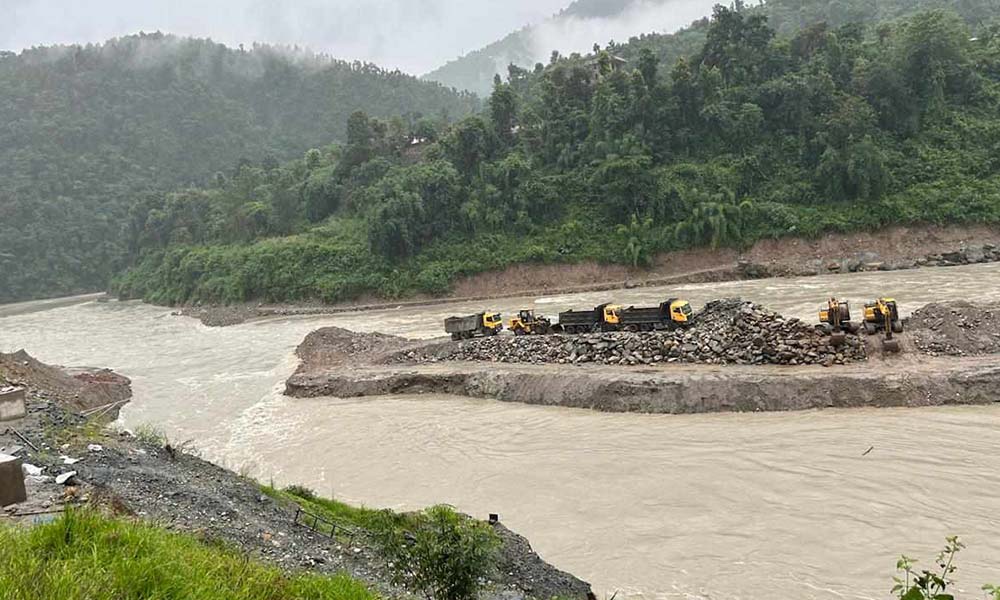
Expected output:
(439, 552)
(935, 584)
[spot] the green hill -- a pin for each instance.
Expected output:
(756, 134)
(475, 71)
(85, 131)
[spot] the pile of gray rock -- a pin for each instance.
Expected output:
(956, 329)
(726, 332)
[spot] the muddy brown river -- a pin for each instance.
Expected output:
(750, 506)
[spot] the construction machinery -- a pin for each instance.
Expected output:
(835, 320)
(526, 322)
(882, 316)
(604, 317)
(480, 324)
(671, 314)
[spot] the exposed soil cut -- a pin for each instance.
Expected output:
(896, 248)
(334, 346)
(957, 329)
(77, 388)
(889, 249)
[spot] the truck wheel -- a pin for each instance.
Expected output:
(897, 327)
(870, 328)
(456, 336)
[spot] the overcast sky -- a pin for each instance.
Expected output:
(413, 35)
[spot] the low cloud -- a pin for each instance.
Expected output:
(412, 35)
(576, 34)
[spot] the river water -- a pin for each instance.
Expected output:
(751, 506)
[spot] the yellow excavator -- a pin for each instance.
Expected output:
(882, 316)
(526, 322)
(835, 320)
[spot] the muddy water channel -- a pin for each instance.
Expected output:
(753, 506)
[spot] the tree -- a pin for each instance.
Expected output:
(934, 57)
(649, 65)
(626, 185)
(469, 143)
(393, 228)
(637, 240)
(718, 221)
(313, 158)
(503, 112)
(360, 140)
(867, 175)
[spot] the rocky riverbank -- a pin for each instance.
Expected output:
(75, 461)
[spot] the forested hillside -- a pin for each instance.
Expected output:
(87, 131)
(475, 71)
(755, 134)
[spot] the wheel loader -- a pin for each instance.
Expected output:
(882, 316)
(835, 320)
(528, 323)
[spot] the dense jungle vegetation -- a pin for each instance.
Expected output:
(86, 131)
(754, 134)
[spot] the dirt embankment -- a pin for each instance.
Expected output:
(78, 388)
(163, 484)
(727, 370)
(896, 248)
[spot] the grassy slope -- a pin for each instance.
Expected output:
(86, 556)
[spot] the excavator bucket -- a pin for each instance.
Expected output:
(838, 338)
(891, 346)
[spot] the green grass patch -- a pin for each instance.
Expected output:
(343, 515)
(87, 556)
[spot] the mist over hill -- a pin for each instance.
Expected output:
(87, 130)
(575, 29)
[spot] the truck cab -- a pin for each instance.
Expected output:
(611, 314)
(492, 322)
(680, 311)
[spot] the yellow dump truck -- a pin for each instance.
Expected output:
(479, 324)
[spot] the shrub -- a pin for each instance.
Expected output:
(439, 552)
